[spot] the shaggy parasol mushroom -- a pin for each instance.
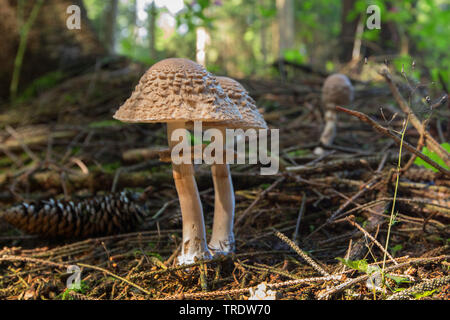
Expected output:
(337, 90)
(178, 91)
(222, 239)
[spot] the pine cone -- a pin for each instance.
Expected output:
(103, 215)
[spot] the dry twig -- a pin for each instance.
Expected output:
(301, 253)
(365, 118)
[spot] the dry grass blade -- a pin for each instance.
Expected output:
(32, 260)
(351, 220)
(260, 196)
(30, 153)
(301, 253)
(299, 218)
(115, 276)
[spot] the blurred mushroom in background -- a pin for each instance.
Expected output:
(337, 90)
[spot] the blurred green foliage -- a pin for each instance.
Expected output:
(41, 84)
(195, 16)
(243, 34)
(105, 124)
(425, 24)
(94, 10)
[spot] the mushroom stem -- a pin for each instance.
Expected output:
(222, 239)
(194, 235)
(329, 131)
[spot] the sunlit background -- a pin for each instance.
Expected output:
(243, 37)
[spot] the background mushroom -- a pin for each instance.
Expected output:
(222, 239)
(177, 91)
(337, 90)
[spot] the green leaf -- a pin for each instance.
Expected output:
(424, 294)
(264, 186)
(360, 265)
(433, 156)
(397, 279)
(156, 255)
(396, 248)
(82, 288)
(195, 141)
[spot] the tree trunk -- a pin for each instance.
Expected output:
(50, 44)
(348, 31)
(390, 37)
(263, 35)
(286, 26)
(109, 27)
(132, 18)
(152, 15)
(391, 40)
(356, 53)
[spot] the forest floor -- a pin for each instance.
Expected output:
(337, 208)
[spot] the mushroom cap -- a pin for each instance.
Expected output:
(337, 89)
(177, 89)
(251, 118)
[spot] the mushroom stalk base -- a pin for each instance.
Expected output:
(329, 132)
(194, 237)
(222, 240)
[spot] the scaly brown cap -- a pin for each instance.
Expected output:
(246, 105)
(177, 89)
(338, 90)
